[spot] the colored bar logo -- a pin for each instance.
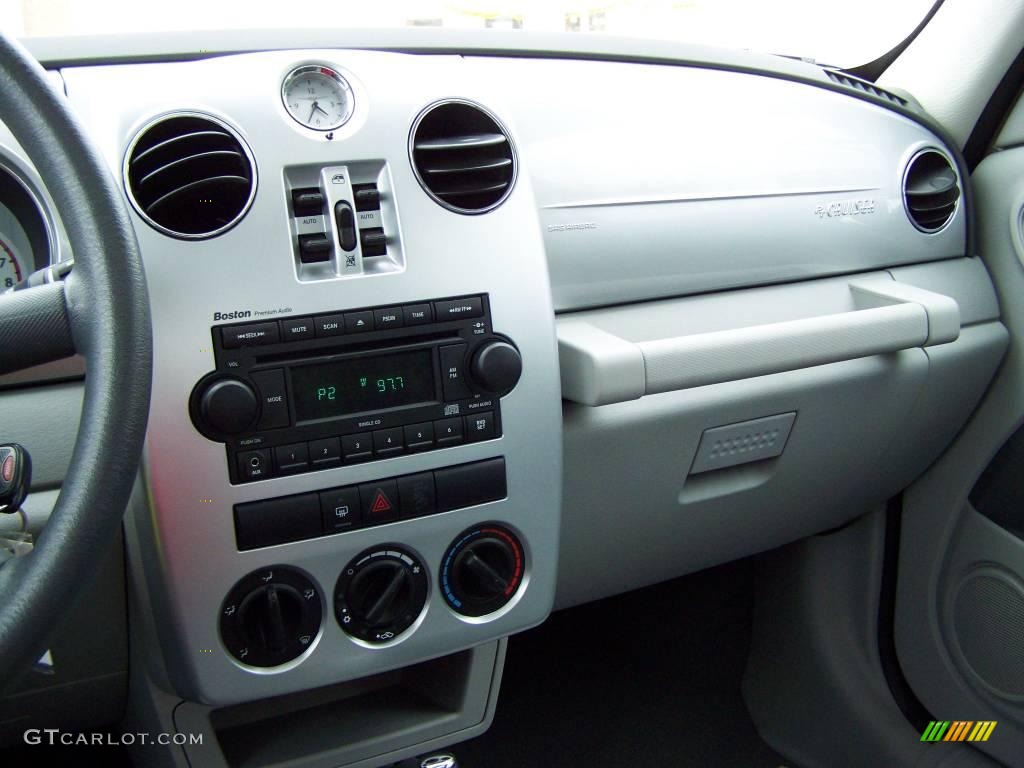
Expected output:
(958, 730)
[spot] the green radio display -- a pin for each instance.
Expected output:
(361, 384)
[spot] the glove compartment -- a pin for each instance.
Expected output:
(641, 506)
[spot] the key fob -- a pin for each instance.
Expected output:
(15, 476)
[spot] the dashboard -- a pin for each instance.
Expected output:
(440, 345)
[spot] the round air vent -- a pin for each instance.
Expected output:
(190, 175)
(930, 191)
(462, 157)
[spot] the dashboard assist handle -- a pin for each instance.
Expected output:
(598, 367)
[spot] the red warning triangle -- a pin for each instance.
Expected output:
(381, 503)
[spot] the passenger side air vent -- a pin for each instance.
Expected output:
(190, 176)
(864, 86)
(462, 157)
(930, 190)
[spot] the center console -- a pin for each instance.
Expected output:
(353, 464)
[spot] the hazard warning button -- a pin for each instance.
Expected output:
(379, 501)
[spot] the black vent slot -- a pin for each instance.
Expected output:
(190, 176)
(463, 157)
(864, 87)
(930, 191)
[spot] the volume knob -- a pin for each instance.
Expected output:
(228, 406)
(496, 367)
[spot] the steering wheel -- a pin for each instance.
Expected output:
(101, 311)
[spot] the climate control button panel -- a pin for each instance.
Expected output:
(337, 510)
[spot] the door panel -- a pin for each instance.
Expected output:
(960, 600)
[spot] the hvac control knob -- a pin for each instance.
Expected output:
(227, 406)
(380, 594)
(270, 617)
(496, 367)
(482, 570)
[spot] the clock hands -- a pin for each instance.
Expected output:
(317, 108)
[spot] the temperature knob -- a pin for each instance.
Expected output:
(482, 570)
(380, 594)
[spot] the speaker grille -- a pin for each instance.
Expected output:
(988, 616)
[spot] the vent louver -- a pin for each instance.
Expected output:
(930, 191)
(863, 86)
(190, 176)
(462, 157)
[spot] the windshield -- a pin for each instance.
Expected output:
(837, 34)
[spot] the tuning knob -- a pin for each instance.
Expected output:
(227, 406)
(380, 594)
(496, 367)
(482, 570)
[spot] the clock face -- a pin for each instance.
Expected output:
(317, 97)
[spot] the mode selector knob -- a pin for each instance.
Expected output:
(271, 617)
(228, 406)
(496, 367)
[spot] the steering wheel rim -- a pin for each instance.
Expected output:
(100, 311)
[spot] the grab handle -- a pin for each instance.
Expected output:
(599, 367)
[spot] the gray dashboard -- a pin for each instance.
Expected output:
(661, 193)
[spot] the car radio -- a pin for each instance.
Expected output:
(298, 394)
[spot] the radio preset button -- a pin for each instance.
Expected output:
(329, 325)
(249, 335)
(453, 373)
(419, 437)
(448, 431)
(388, 442)
(292, 458)
(297, 328)
(273, 398)
(254, 465)
(417, 314)
(358, 322)
(480, 426)
(458, 309)
(340, 509)
(325, 453)
(357, 447)
(387, 318)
